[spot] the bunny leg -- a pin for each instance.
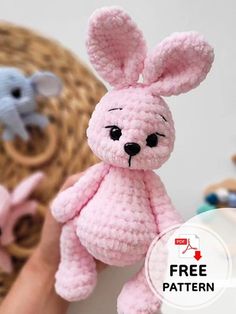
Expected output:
(136, 297)
(76, 276)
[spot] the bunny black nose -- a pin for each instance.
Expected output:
(132, 149)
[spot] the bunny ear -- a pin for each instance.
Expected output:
(5, 262)
(116, 46)
(25, 188)
(5, 201)
(178, 64)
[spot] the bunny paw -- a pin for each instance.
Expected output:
(74, 286)
(64, 205)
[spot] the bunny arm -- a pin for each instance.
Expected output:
(69, 202)
(5, 261)
(165, 213)
(26, 208)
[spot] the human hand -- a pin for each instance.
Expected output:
(39, 272)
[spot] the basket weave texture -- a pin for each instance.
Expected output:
(69, 114)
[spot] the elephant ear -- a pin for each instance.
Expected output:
(5, 202)
(25, 188)
(46, 84)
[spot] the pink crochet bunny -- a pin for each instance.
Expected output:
(12, 207)
(119, 206)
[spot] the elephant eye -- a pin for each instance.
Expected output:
(0, 232)
(16, 92)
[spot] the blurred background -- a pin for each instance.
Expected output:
(204, 118)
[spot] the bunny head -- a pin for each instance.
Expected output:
(132, 125)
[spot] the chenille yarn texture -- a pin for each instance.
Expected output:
(118, 206)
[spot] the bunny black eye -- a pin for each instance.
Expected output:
(152, 139)
(115, 132)
(0, 232)
(16, 92)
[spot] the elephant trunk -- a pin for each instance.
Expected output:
(11, 119)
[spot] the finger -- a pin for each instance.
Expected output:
(50, 238)
(51, 227)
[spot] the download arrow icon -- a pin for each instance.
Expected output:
(197, 255)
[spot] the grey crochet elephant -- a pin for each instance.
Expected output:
(18, 100)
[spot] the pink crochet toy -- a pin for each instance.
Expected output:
(120, 205)
(12, 207)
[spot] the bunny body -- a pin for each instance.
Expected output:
(118, 206)
(118, 230)
(116, 213)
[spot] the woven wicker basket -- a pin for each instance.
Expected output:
(69, 114)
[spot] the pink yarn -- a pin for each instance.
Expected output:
(119, 206)
(178, 64)
(13, 206)
(116, 46)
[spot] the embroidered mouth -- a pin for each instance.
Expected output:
(129, 161)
